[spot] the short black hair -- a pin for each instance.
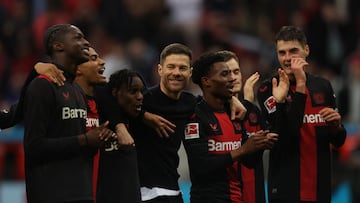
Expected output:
(291, 33)
(203, 65)
(52, 34)
(123, 78)
(175, 48)
(228, 55)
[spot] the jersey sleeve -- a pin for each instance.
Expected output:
(12, 116)
(279, 114)
(9, 118)
(337, 138)
(39, 103)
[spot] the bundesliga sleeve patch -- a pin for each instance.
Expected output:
(192, 131)
(270, 104)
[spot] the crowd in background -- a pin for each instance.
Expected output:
(131, 33)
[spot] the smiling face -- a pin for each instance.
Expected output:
(130, 97)
(174, 73)
(220, 81)
(75, 45)
(290, 49)
(235, 71)
(92, 70)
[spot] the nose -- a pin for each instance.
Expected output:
(86, 43)
(176, 71)
(140, 96)
(232, 77)
(101, 62)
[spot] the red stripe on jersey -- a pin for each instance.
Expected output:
(228, 135)
(308, 151)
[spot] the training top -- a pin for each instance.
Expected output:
(118, 179)
(209, 137)
(57, 169)
(300, 162)
(158, 157)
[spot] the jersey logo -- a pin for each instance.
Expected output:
(253, 117)
(263, 89)
(66, 95)
(318, 98)
(270, 104)
(237, 126)
(213, 126)
(192, 131)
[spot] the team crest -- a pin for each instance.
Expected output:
(318, 98)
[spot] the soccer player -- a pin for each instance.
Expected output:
(215, 145)
(58, 150)
(252, 178)
(301, 107)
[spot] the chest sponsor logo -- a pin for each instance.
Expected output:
(313, 118)
(270, 104)
(92, 122)
(68, 113)
(192, 131)
(223, 146)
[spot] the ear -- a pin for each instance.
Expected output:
(307, 50)
(113, 92)
(57, 46)
(205, 81)
(159, 69)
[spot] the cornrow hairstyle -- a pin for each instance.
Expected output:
(291, 33)
(175, 48)
(203, 65)
(228, 55)
(52, 34)
(123, 78)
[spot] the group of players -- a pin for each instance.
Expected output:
(70, 112)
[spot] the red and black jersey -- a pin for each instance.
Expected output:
(209, 137)
(253, 178)
(300, 165)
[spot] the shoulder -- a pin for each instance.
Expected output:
(265, 85)
(316, 80)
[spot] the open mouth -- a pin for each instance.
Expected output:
(138, 107)
(101, 70)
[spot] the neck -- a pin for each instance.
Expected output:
(214, 102)
(69, 66)
(87, 88)
(172, 95)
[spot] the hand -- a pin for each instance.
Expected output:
(331, 117)
(238, 110)
(280, 90)
(162, 126)
(123, 136)
(298, 69)
(51, 71)
(261, 140)
(96, 135)
(249, 87)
